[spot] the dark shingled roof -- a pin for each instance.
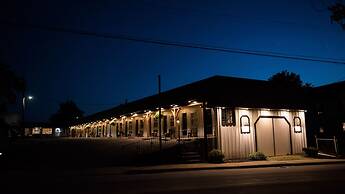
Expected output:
(216, 91)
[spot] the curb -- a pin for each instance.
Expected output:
(163, 170)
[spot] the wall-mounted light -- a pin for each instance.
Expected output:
(245, 124)
(344, 126)
(297, 125)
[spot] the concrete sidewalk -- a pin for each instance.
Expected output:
(230, 165)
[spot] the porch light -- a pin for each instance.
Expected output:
(174, 105)
(193, 103)
(297, 125)
(344, 126)
(245, 124)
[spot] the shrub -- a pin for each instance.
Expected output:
(310, 151)
(215, 156)
(257, 156)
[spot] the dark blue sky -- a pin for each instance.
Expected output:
(98, 73)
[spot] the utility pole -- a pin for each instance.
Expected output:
(159, 113)
(205, 132)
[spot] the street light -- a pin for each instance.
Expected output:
(25, 99)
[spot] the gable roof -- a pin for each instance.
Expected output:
(216, 91)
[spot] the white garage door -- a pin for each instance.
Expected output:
(273, 136)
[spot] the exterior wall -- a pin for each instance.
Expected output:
(236, 145)
(197, 110)
(112, 128)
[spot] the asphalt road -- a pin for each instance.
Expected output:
(299, 179)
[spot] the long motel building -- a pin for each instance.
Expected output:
(241, 115)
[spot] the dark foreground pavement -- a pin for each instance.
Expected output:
(293, 179)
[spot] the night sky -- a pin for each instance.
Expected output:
(98, 73)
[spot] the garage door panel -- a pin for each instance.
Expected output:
(264, 136)
(281, 136)
(273, 136)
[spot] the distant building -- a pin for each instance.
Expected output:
(239, 115)
(42, 130)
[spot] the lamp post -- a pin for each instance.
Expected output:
(24, 105)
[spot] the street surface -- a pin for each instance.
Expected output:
(296, 179)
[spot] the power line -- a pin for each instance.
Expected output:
(180, 44)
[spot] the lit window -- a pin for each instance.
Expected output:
(228, 117)
(297, 124)
(245, 124)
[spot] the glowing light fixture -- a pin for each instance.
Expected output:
(30, 97)
(193, 103)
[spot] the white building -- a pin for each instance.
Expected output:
(239, 115)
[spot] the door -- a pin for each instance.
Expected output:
(273, 136)
(264, 136)
(281, 136)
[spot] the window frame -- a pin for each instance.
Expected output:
(242, 124)
(226, 120)
(295, 125)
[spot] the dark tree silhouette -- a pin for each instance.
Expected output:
(338, 13)
(288, 79)
(67, 113)
(11, 86)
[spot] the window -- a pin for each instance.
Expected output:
(136, 127)
(130, 125)
(172, 121)
(194, 124)
(297, 125)
(141, 124)
(245, 124)
(228, 117)
(194, 120)
(150, 124)
(155, 122)
(184, 121)
(165, 124)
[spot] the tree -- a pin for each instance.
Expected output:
(288, 79)
(67, 113)
(338, 13)
(10, 87)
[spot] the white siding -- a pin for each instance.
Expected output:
(238, 146)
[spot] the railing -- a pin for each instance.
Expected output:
(325, 144)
